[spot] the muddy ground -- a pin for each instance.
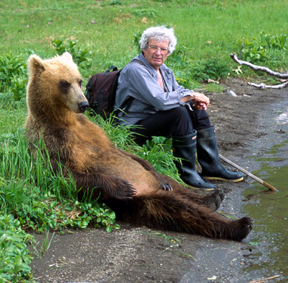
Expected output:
(246, 126)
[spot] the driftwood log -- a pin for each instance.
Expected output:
(283, 76)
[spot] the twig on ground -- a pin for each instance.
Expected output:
(264, 279)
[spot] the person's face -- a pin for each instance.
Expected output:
(156, 53)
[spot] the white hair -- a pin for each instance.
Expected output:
(159, 33)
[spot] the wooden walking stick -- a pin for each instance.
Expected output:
(248, 173)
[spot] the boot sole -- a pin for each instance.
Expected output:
(195, 188)
(222, 179)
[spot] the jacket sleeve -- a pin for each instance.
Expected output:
(146, 88)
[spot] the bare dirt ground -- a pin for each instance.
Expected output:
(245, 127)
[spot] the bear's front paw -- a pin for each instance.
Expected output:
(165, 186)
(125, 190)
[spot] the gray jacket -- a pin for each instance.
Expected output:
(139, 81)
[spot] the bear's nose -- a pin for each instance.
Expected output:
(83, 106)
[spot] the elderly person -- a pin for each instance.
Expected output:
(149, 97)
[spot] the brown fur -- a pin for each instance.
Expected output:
(129, 184)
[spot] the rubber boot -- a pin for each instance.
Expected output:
(185, 148)
(208, 157)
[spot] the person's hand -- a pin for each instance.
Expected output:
(200, 100)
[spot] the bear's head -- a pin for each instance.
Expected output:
(54, 88)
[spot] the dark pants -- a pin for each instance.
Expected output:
(179, 121)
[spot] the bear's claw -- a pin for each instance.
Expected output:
(166, 187)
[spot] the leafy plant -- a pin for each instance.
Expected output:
(180, 62)
(215, 69)
(180, 58)
(116, 2)
(257, 50)
(81, 56)
(15, 257)
(273, 41)
(209, 69)
(10, 66)
(150, 12)
(18, 87)
(137, 37)
(13, 76)
(254, 52)
(111, 3)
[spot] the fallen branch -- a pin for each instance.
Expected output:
(264, 280)
(263, 86)
(259, 68)
(248, 173)
(263, 69)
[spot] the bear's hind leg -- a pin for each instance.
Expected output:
(171, 211)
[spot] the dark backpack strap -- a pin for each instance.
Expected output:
(111, 69)
(124, 107)
(127, 104)
(89, 87)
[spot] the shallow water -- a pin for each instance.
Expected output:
(269, 210)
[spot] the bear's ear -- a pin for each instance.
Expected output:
(35, 64)
(67, 56)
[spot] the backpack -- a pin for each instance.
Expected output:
(101, 91)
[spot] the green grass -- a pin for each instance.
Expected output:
(215, 88)
(99, 34)
(210, 29)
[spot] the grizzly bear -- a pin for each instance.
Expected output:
(127, 183)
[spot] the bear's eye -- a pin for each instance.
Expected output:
(80, 83)
(64, 86)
